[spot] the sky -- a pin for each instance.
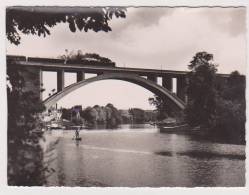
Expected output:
(159, 38)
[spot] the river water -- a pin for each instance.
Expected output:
(140, 156)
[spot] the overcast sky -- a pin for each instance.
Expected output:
(164, 38)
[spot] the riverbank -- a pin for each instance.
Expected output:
(175, 128)
(202, 134)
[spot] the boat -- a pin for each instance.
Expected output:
(55, 126)
(77, 127)
(77, 139)
(172, 129)
(167, 122)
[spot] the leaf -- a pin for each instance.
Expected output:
(80, 23)
(72, 26)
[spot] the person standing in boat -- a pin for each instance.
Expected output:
(77, 133)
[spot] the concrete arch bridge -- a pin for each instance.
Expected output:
(32, 69)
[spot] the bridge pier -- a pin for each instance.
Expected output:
(60, 80)
(181, 87)
(40, 82)
(152, 78)
(167, 82)
(80, 76)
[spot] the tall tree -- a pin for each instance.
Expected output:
(201, 90)
(25, 155)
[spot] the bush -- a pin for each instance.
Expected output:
(230, 121)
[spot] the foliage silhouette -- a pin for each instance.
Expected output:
(162, 107)
(230, 111)
(201, 91)
(39, 20)
(98, 115)
(219, 111)
(25, 155)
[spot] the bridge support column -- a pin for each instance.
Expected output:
(40, 82)
(186, 95)
(60, 80)
(152, 78)
(80, 76)
(181, 87)
(167, 83)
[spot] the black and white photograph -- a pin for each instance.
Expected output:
(126, 96)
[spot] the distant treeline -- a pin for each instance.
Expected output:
(141, 116)
(107, 115)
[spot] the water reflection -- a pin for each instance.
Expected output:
(203, 155)
(139, 155)
(208, 155)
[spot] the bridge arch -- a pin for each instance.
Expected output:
(132, 78)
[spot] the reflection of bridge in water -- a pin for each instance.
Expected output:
(31, 69)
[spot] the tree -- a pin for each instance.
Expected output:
(163, 109)
(38, 20)
(201, 91)
(108, 115)
(235, 87)
(66, 114)
(230, 121)
(101, 119)
(90, 115)
(230, 110)
(138, 115)
(25, 155)
(113, 116)
(217, 108)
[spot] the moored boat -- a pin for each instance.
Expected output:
(173, 128)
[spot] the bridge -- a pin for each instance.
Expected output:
(32, 68)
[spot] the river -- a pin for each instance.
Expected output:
(140, 156)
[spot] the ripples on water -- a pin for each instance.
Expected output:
(138, 155)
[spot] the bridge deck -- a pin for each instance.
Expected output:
(54, 66)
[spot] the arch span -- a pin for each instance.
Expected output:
(133, 78)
